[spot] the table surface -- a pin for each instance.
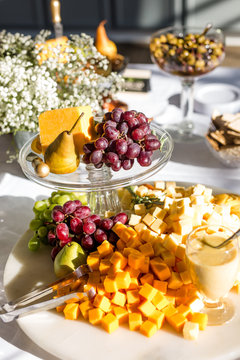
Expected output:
(190, 162)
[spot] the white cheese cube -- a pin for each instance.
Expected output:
(190, 330)
(134, 219)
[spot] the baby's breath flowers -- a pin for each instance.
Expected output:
(28, 88)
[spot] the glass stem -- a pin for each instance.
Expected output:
(186, 125)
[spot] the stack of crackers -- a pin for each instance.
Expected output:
(224, 132)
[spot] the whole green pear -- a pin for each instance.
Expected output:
(69, 258)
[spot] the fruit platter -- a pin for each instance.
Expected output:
(129, 234)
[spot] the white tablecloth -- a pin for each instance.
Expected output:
(190, 162)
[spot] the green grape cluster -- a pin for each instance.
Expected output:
(42, 221)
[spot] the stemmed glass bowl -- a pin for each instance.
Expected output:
(188, 53)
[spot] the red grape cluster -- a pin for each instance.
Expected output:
(124, 136)
(74, 222)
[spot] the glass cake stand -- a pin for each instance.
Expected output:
(100, 184)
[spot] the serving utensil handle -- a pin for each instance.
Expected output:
(55, 7)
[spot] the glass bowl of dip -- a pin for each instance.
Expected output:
(213, 270)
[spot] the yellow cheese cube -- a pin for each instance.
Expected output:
(157, 317)
(175, 281)
(139, 209)
(133, 243)
(110, 323)
(118, 260)
(146, 308)
(145, 267)
(167, 202)
(190, 330)
(200, 318)
(142, 190)
(148, 219)
(156, 225)
(102, 302)
(95, 316)
(134, 219)
(181, 266)
(160, 301)
(110, 284)
(121, 314)
(180, 251)
(147, 249)
(139, 228)
(148, 235)
(147, 291)
(118, 228)
(195, 303)
(105, 248)
(171, 243)
(119, 298)
(93, 260)
(134, 321)
(183, 227)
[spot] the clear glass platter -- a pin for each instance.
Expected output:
(104, 179)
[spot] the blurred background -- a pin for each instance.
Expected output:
(129, 22)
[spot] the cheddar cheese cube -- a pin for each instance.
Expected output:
(157, 317)
(118, 260)
(156, 225)
(121, 314)
(123, 280)
(133, 297)
(177, 321)
(147, 278)
(146, 308)
(105, 248)
(180, 251)
(134, 321)
(134, 219)
(175, 281)
(160, 269)
(139, 209)
(168, 258)
(200, 318)
(120, 244)
(171, 243)
(136, 260)
(110, 284)
(95, 316)
(134, 283)
(160, 285)
(140, 227)
(93, 260)
(185, 277)
(102, 302)
(160, 301)
(148, 219)
(145, 267)
(119, 298)
(84, 307)
(71, 311)
(185, 310)
(118, 228)
(147, 249)
(104, 266)
(169, 311)
(148, 328)
(110, 323)
(147, 291)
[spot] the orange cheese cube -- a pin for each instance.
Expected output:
(180, 251)
(157, 317)
(93, 260)
(118, 228)
(53, 122)
(134, 273)
(102, 302)
(84, 307)
(104, 266)
(181, 266)
(95, 316)
(110, 323)
(185, 310)
(177, 321)
(71, 311)
(128, 250)
(105, 248)
(200, 318)
(160, 269)
(133, 242)
(121, 314)
(146, 308)
(120, 244)
(169, 311)
(119, 298)
(168, 258)
(134, 283)
(160, 285)
(133, 297)
(101, 289)
(145, 267)
(147, 249)
(134, 321)
(136, 260)
(132, 308)
(123, 280)
(118, 260)
(147, 291)
(147, 278)
(110, 284)
(160, 301)
(175, 281)
(148, 328)
(128, 233)
(60, 308)
(185, 277)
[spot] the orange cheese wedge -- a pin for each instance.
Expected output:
(53, 122)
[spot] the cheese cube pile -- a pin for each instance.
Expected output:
(143, 281)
